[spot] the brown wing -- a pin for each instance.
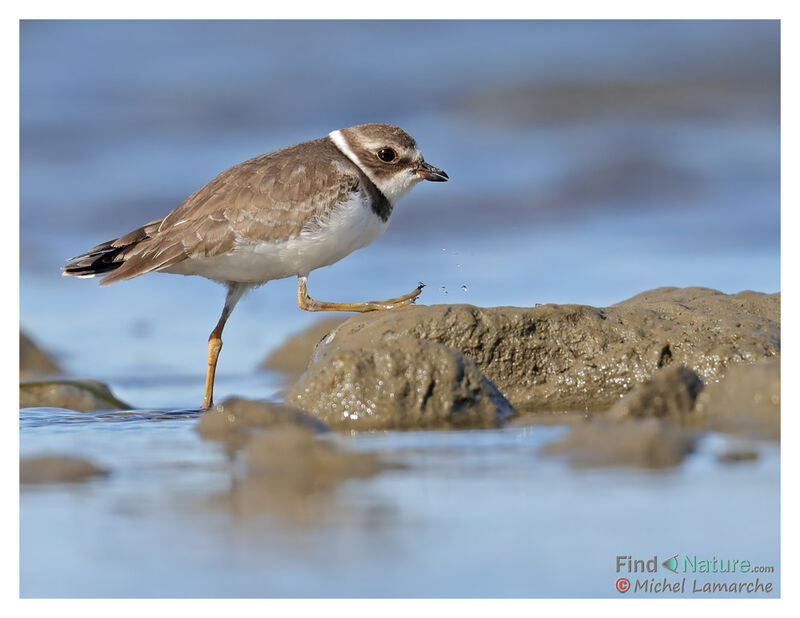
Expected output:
(271, 197)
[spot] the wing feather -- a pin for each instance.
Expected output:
(269, 198)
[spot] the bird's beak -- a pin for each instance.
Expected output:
(426, 171)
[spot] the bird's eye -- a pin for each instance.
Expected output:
(387, 155)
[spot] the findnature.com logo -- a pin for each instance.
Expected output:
(743, 578)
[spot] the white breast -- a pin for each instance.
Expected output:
(348, 227)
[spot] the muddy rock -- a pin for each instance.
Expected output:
(577, 357)
(398, 382)
(236, 418)
(670, 393)
(57, 469)
(293, 356)
(78, 395)
(746, 401)
(33, 361)
(647, 443)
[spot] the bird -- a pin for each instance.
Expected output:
(281, 214)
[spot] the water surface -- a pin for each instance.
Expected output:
(466, 513)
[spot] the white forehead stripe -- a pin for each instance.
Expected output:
(341, 143)
(393, 187)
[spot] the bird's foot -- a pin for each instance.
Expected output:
(400, 301)
(307, 303)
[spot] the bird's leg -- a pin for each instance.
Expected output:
(214, 346)
(235, 292)
(307, 303)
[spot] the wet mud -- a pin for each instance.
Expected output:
(400, 382)
(648, 443)
(34, 362)
(394, 369)
(77, 395)
(57, 469)
(235, 419)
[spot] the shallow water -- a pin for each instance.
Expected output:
(469, 513)
(589, 161)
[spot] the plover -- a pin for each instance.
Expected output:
(282, 214)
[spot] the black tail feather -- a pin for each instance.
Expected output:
(110, 255)
(97, 261)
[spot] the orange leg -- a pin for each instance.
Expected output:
(307, 303)
(214, 347)
(235, 292)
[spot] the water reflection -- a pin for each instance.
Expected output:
(290, 474)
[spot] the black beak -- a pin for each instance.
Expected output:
(426, 171)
